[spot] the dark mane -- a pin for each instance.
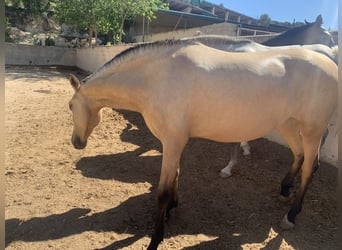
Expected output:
(133, 51)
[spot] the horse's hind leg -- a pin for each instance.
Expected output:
(291, 133)
(246, 148)
(311, 142)
(234, 154)
(234, 151)
(168, 188)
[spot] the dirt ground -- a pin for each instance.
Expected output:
(104, 197)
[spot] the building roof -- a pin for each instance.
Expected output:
(214, 13)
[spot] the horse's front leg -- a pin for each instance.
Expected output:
(167, 189)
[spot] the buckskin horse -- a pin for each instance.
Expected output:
(227, 43)
(203, 92)
(310, 36)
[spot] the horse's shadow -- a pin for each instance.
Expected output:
(141, 167)
(235, 212)
(129, 167)
(197, 213)
(128, 217)
(141, 136)
(135, 215)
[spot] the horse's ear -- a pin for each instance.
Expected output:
(75, 83)
(319, 20)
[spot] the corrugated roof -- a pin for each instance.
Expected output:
(217, 13)
(207, 9)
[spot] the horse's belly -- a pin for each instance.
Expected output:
(226, 134)
(230, 127)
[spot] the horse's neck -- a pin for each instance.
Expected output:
(114, 96)
(126, 85)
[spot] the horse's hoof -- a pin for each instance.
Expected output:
(246, 153)
(225, 174)
(285, 224)
(285, 199)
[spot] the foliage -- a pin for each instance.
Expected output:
(266, 20)
(81, 13)
(93, 15)
(35, 7)
(35, 40)
(129, 9)
(105, 15)
(14, 3)
(7, 30)
(49, 41)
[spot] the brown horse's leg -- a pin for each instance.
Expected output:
(311, 147)
(168, 189)
(290, 132)
(287, 182)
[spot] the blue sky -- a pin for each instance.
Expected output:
(287, 10)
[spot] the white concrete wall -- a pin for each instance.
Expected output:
(90, 59)
(18, 54)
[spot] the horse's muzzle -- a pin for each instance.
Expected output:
(78, 144)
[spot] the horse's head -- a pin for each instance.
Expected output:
(86, 115)
(310, 33)
(317, 34)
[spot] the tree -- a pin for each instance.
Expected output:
(105, 15)
(84, 14)
(126, 10)
(265, 20)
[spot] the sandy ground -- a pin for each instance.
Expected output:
(104, 196)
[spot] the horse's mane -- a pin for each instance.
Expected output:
(131, 52)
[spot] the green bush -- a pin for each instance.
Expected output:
(35, 40)
(49, 41)
(8, 31)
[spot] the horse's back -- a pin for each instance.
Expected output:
(276, 62)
